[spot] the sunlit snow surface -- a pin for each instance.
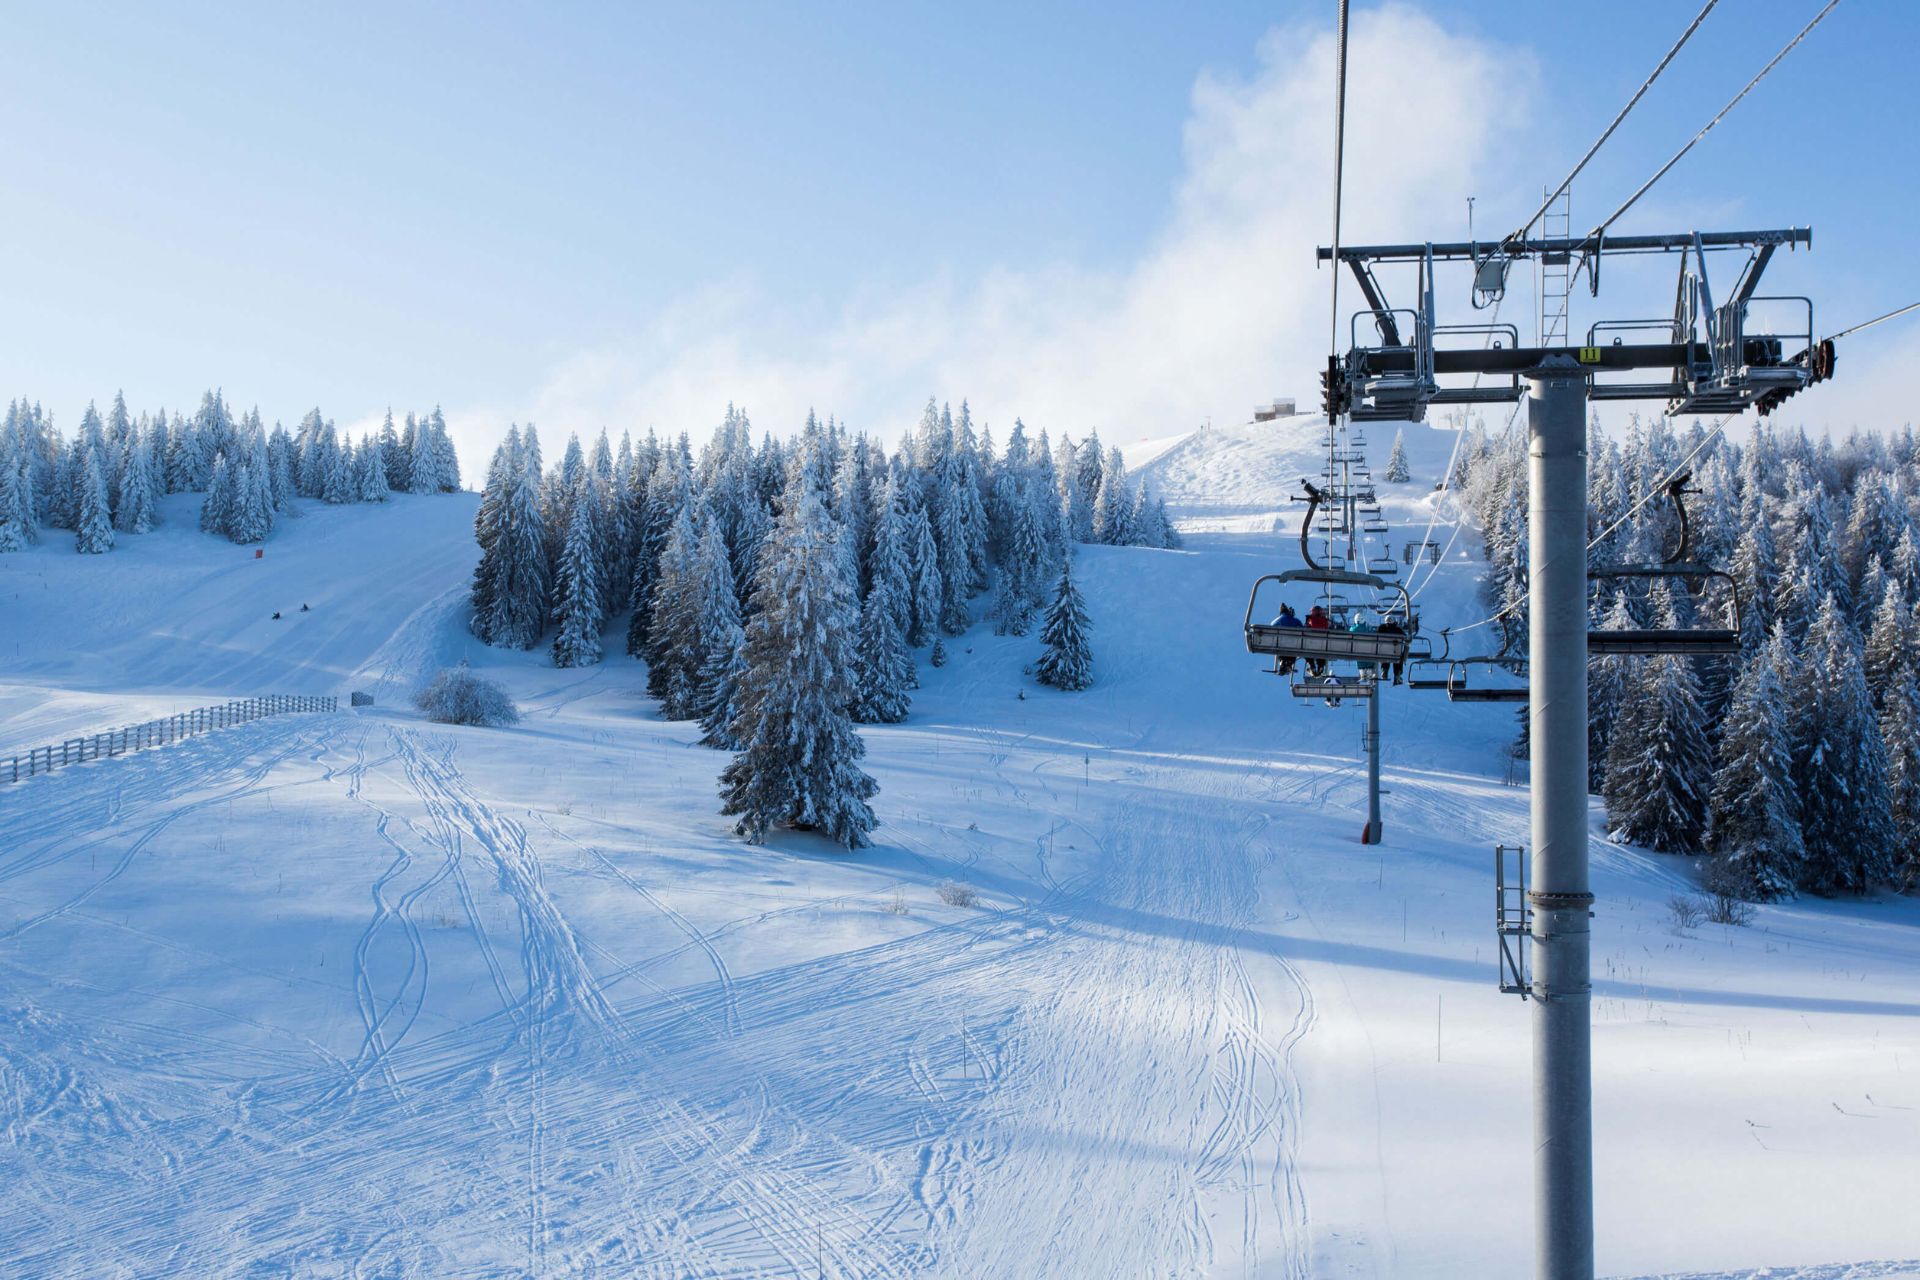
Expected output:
(360, 995)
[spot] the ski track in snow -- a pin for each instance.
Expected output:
(743, 1126)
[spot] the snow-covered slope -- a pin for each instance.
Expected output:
(355, 994)
(174, 618)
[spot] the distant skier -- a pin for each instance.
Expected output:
(304, 608)
(276, 615)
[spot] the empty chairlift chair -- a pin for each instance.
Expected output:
(1692, 580)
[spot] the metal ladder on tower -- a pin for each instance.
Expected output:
(1556, 272)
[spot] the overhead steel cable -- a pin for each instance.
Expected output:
(1876, 320)
(1599, 142)
(1339, 175)
(1708, 126)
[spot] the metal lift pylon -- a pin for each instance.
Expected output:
(1708, 359)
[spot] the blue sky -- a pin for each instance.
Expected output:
(1088, 215)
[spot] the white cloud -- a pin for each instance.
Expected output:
(1224, 308)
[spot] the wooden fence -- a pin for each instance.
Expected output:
(157, 733)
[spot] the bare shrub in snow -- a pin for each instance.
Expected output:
(956, 894)
(459, 696)
(897, 904)
(1724, 908)
(1686, 911)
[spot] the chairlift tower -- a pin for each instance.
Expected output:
(1708, 357)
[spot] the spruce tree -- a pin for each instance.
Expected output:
(1839, 764)
(1397, 470)
(216, 509)
(799, 755)
(16, 515)
(1020, 572)
(578, 607)
(1659, 769)
(674, 651)
(370, 480)
(520, 583)
(925, 583)
(883, 668)
(1754, 830)
(93, 524)
(1067, 662)
(337, 487)
(135, 512)
(1113, 509)
(721, 641)
(1900, 740)
(250, 507)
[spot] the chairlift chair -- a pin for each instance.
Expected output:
(1691, 577)
(1328, 644)
(1458, 690)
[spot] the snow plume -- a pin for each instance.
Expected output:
(1223, 308)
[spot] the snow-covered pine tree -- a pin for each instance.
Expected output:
(411, 450)
(799, 761)
(666, 494)
(1839, 765)
(1067, 661)
(1021, 570)
(1659, 767)
(337, 485)
(135, 512)
(956, 566)
(16, 507)
(446, 459)
(1609, 684)
(1893, 646)
(1113, 509)
(924, 586)
(883, 668)
(1076, 508)
(216, 509)
(1151, 528)
(1900, 739)
(1754, 826)
(1089, 460)
(370, 467)
(280, 456)
(722, 643)
(93, 523)
(577, 608)
(674, 649)
(250, 508)
(423, 461)
(61, 500)
(519, 592)
(1397, 471)
(393, 459)
(486, 531)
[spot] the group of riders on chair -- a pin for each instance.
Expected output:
(1318, 620)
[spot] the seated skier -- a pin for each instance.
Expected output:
(1287, 618)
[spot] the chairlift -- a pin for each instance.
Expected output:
(1326, 645)
(1691, 577)
(1458, 690)
(1421, 655)
(1333, 690)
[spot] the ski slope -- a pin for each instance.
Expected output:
(359, 995)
